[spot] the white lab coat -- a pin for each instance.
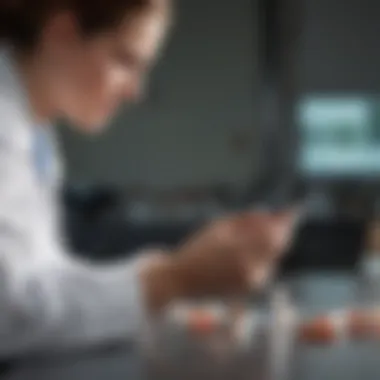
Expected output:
(48, 299)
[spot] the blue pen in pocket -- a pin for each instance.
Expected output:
(42, 154)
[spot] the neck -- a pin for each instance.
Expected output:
(33, 78)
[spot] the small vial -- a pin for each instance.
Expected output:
(282, 327)
(370, 263)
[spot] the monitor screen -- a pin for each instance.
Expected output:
(339, 136)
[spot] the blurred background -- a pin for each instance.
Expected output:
(271, 103)
(255, 101)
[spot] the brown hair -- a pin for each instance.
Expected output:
(21, 21)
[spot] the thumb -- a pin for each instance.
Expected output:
(282, 227)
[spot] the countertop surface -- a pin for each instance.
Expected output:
(176, 356)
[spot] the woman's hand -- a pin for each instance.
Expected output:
(229, 257)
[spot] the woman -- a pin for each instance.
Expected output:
(79, 59)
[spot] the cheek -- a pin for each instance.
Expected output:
(94, 82)
(93, 98)
(105, 84)
(94, 88)
(87, 96)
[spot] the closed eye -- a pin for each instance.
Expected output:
(129, 60)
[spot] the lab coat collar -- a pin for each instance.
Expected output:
(13, 94)
(17, 123)
(12, 90)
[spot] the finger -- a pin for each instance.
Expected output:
(283, 229)
(249, 227)
(259, 275)
(263, 235)
(290, 217)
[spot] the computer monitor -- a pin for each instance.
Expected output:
(339, 137)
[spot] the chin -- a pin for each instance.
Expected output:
(92, 126)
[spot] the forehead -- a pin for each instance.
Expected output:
(143, 35)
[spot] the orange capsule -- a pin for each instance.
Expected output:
(320, 330)
(365, 324)
(360, 324)
(202, 323)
